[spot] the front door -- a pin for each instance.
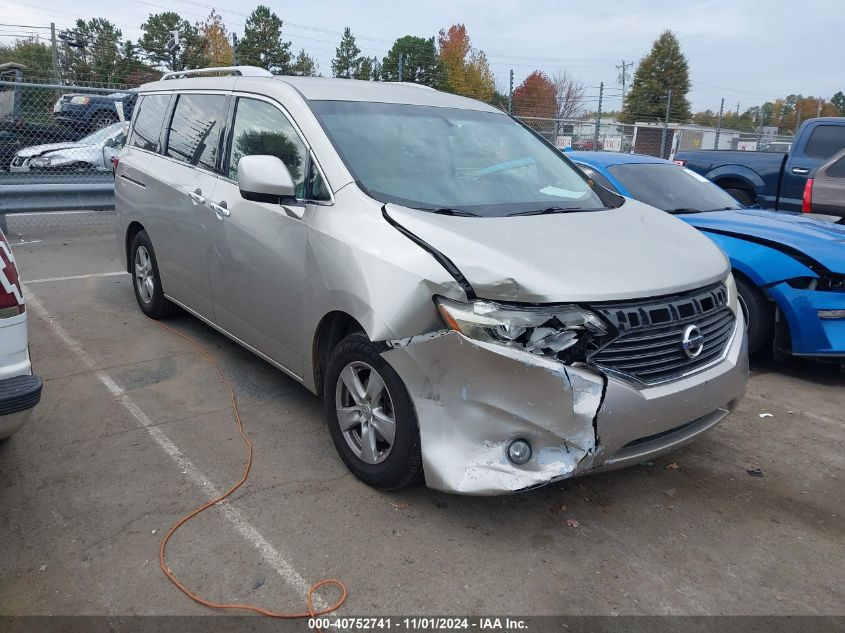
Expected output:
(258, 263)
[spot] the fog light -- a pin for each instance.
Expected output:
(832, 314)
(519, 452)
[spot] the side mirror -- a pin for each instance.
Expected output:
(265, 179)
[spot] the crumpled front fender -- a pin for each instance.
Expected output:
(463, 391)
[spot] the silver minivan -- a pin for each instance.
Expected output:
(471, 308)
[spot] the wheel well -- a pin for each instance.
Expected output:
(737, 183)
(334, 327)
(131, 232)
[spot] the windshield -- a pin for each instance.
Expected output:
(101, 135)
(480, 163)
(671, 187)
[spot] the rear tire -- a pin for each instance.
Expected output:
(393, 459)
(146, 280)
(742, 196)
(759, 317)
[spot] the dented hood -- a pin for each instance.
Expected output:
(631, 252)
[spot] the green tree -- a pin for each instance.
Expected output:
(262, 43)
(420, 63)
(304, 65)
(155, 33)
(665, 68)
(369, 70)
(347, 59)
(133, 71)
(99, 59)
(838, 101)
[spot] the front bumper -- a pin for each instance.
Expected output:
(18, 396)
(810, 335)
(472, 399)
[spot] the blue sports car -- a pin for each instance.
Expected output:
(789, 268)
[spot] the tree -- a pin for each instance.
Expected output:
(304, 65)
(262, 43)
(420, 63)
(535, 99)
(369, 70)
(133, 70)
(99, 59)
(347, 59)
(217, 50)
(838, 102)
(569, 96)
(465, 70)
(665, 68)
(156, 32)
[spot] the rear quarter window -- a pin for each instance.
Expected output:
(825, 141)
(148, 119)
(837, 169)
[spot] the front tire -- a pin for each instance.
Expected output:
(146, 279)
(370, 415)
(759, 316)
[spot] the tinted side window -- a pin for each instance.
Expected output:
(194, 135)
(148, 117)
(825, 141)
(837, 169)
(260, 128)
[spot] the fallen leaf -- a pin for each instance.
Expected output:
(573, 523)
(399, 506)
(559, 509)
(672, 466)
(755, 472)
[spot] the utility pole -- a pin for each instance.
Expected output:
(234, 49)
(55, 50)
(623, 77)
(598, 117)
(510, 93)
(719, 124)
(737, 109)
(819, 109)
(401, 59)
(665, 126)
(173, 45)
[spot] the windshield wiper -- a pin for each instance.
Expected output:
(450, 211)
(547, 211)
(682, 210)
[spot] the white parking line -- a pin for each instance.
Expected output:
(71, 277)
(249, 532)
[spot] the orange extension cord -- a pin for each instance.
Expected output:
(247, 467)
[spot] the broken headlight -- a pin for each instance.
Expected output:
(561, 332)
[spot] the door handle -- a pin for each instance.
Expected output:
(800, 171)
(196, 196)
(220, 209)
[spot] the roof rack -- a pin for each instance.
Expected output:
(243, 71)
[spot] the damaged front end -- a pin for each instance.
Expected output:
(498, 375)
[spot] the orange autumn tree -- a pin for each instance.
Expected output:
(465, 69)
(535, 99)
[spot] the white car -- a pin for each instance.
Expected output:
(93, 152)
(20, 390)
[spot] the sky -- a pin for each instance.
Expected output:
(746, 51)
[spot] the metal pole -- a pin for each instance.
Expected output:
(55, 51)
(401, 59)
(719, 124)
(624, 77)
(234, 49)
(665, 126)
(598, 118)
(510, 93)
(819, 109)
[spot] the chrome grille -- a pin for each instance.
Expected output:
(649, 345)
